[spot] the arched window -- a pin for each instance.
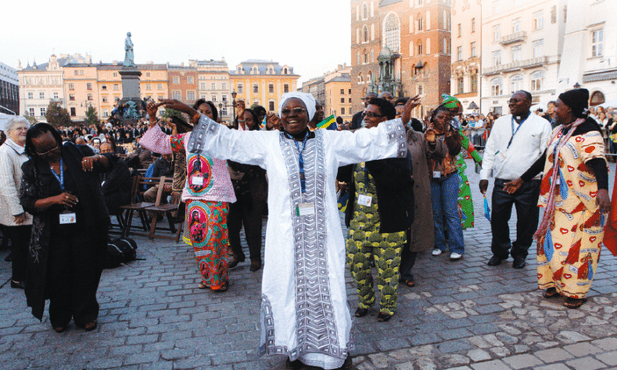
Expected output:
(428, 20)
(411, 24)
(516, 83)
(537, 81)
(410, 48)
(364, 11)
(496, 86)
(419, 47)
(372, 9)
(365, 33)
(370, 76)
(285, 71)
(420, 23)
(365, 61)
(597, 97)
(392, 33)
(428, 46)
(360, 80)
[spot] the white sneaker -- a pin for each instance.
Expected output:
(437, 252)
(455, 256)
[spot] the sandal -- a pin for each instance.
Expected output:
(409, 283)
(574, 302)
(550, 293)
(383, 317)
(91, 325)
(361, 312)
(202, 286)
(222, 288)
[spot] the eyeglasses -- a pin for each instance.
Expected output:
(48, 152)
(514, 101)
(297, 111)
(372, 115)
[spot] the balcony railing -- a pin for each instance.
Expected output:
(515, 66)
(513, 37)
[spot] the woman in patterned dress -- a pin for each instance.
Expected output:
(206, 193)
(575, 195)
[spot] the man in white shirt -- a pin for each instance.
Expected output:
(517, 140)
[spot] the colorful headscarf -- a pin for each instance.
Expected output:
(450, 101)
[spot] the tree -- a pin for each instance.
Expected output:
(91, 117)
(57, 116)
(168, 112)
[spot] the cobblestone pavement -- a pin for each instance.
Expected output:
(461, 315)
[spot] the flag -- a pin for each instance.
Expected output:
(487, 211)
(326, 122)
(263, 123)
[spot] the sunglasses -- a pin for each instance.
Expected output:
(373, 115)
(48, 152)
(297, 111)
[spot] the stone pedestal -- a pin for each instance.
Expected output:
(130, 84)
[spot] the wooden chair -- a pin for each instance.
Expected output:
(167, 209)
(137, 205)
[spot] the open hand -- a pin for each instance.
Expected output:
(409, 106)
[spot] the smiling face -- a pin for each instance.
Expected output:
(17, 133)
(373, 116)
(294, 116)
(519, 104)
(206, 110)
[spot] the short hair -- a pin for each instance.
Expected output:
(526, 93)
(440, 108)
(401, 101)
(259, 110)
(551, 102)
(215, 112)
(14, 121)
(385, 107)
(255, 118)
(39, 130)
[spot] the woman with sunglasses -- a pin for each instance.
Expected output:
(304, 299)
(60, 188)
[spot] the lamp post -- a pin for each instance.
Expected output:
(233, 104)
(220, 112)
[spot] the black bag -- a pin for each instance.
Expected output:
(120, 250)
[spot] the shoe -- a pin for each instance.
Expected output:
(361, 312)
(234, 262)
(574, 302)
(91, 325)
(494, 261)
(519, 263)
(60, 329)
(202, 286)
(437, 252)
(455, 256)
(293, 365)
(255, 266)
(18, 284)
(408, 283)
(550, 293)
(223, 288)
(383, 317)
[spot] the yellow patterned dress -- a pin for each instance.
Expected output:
(568, 254)
(366, 243)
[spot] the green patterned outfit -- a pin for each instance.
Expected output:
(465, 202)
(366, 243)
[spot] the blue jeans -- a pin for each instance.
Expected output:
(444, 197)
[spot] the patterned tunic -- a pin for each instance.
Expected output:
(568, 254)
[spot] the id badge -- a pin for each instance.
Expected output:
(365, 200)
(305, 209)
(436, 174)
(68, 218)
(198, 180)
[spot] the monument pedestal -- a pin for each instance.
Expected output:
(130, 84)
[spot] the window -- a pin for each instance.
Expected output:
(41, 95)
(473, 49)
(516, 83)
(159, 86)
(73, 112)
(224, 97)
(496, 58)
(224, 86)
(473, 25)
(255, 88)
(420, 2)
(176, 94)
(76, 73)
(364, 11)
(538, 48)
(350, 98)
(411, 24)
(213, 98)
(597, 43)
(372, 32)
(176, 80)
(393, 33)
(115, 74)
(428, 20)
(115, 86)
(104, 99)
(191, 80)
(213, 86)
(420, 23)
(43, 111)
(343, 110)
(459, 53)
(89, 86)
(30, 95)
(516, 25)
(358, 59)
(537, 81)
(365, 57)
(55, 95)
(286, 88)
(473, 83)
(538, 20)
(71, 86)
(459, 28)
(190, 95)
(342, 100)
(271, 88)
(496, 33)
(428, 46)
(496, 88)
(349, 91)
(90, 97)
(460, 83)
(240, 88)
(271, 106)
(357, 35)
(372, 56)
(105, 113)
(31, 112)
(285, 71)
(419, 47)
(365, 33)
(445, 45)
(147, 74)
(148, 87)
(516, 54)
(104, 87)
(496, 6)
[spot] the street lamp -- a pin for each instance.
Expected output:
(220, 112)
(233, 104)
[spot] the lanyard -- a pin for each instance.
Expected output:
(61, 177)
(365, 178)
(515, 131)
(301, 161)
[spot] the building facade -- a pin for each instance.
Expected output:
(80, 89)
(183, 84)
(401, 46)
(154, 81)
(521, 50)
(338, 97)
(214, 85)
(590, 50)
(109, 83)
(262, 82)
(9, 90)
(316, 87)
(466, 34)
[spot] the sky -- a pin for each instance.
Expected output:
(311, 36)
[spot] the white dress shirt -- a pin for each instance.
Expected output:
(528, 144)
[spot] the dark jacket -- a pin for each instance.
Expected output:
(116, 186)
(394, 184)
(38, 183)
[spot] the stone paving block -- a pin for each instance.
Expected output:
(523, 361)
(460, 368)
(142, 339)
(491, 365)
(379, 360)
(454, 346)
(607, 344)
(553, 367)
(194, 362)
(582, 349)
(392, 344)
(126, 350)
(586, 363)
(105, 363)
(553, 355)
(609, 358)
(420, 339)
(478, 355)
(140, 358)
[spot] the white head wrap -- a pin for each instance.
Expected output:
(307, 99)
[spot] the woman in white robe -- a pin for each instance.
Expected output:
(304, 312)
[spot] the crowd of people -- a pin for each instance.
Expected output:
(400, 181)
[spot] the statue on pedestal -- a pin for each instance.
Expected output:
(129, 57)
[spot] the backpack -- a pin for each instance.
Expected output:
(120, 250)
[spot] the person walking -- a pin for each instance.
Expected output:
(516, 142)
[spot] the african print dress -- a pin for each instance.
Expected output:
(568, 254)
(206, 193)
(465, 202)
(366, 243)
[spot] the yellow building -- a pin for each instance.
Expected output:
(154, 81)
(80, 89)
(109, 87)
(338, 97)
(262, 82)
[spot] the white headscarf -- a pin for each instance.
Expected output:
(307, 99)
